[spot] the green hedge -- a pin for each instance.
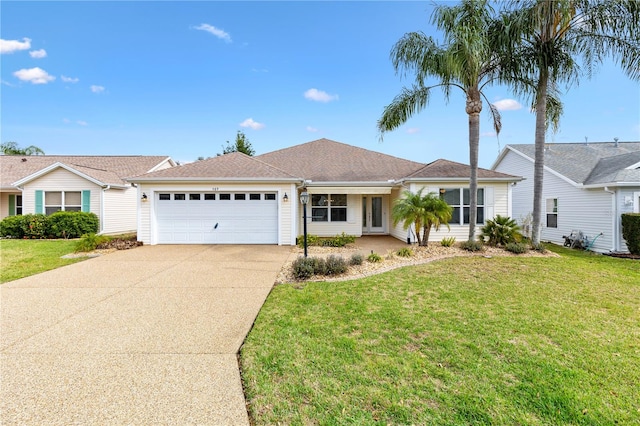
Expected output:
(631, 231)
(58, 225)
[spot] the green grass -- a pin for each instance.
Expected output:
(21, 258)
(465, 341)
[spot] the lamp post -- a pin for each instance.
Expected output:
(304, 199)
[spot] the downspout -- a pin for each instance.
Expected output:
(614, 219)
(106, 188)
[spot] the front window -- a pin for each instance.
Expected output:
(328, 207)
(69, 201)
(18, 205)
(460, 199)
(552, 212)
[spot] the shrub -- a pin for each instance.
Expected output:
(448, 241)
(339, 240)
(517, 248)
(501, 230)
(356, 259)
(631, 231)
(34, 226)
(472, 246)
(303, 267)
(89, 242)
(72, 224)
(374, 258)
(335, 265)
(539, 247)
(12, 226)
(404, 252)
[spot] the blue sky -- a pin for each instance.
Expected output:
(181, 78)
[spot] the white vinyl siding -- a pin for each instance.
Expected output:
(588, 210)
(120, 214)
(60, 180)
(352, 226)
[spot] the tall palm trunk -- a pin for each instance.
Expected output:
(538, 168)
(473, 108)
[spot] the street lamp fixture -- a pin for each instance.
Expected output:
(304, 199)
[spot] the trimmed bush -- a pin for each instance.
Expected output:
(631, 231)
(89, 242)
(374, 258)
(303, 268)
(72, 224)
(356, 259)
(12, 226)
(472, 246)
(448, 241)
(339, 240)
(335, 265)
(404, 252)
(517, 248)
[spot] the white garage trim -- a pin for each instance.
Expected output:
(225, 217)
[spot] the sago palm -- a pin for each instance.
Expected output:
(465, 61)
(553, 42)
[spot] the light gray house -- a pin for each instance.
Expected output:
(237, 199)
(587, 187)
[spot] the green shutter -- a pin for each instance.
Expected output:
(86, 201)
(39, 201)
(12, 205)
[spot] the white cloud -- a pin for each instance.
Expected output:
(6, 83)
(319, 96)
(252, 124)
(82, 123)
(66, 121)
(10, 46)
(507, 105)
(259, 70)
(412, 130)
(97, 89)
(69, 79)
(38, 54)
(311, 129)
(488, 134)
(221, 34)
(34, 75)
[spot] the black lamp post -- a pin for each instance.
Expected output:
(304, 199)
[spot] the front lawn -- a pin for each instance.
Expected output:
(21, 258)
(504, 341)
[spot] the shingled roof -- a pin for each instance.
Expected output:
(589, 163)
(232, 166)
(109, 170)
(452, 170)
(324, 160)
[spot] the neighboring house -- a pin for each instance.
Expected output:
(235, 198)
(587, 186)
(49, 183)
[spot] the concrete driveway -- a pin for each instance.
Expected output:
(143, 336)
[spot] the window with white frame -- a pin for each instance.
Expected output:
(328, 207)
(69, 201)
(552, 212)
(459, 199)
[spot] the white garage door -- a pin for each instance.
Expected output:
(217, 218)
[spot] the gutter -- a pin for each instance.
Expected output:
(614, 219)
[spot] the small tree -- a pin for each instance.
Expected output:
(241, 144)
(423, 211)
(437, 212)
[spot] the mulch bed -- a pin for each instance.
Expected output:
(623, 255)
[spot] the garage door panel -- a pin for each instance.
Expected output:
(234, 221)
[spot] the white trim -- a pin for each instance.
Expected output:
(634, 166)
(162, 163)
(348, 190)
(636, 202)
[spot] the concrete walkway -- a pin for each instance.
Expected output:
(143, 336)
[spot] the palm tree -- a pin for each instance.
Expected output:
(423, 211)
(12, 148)
(436, 213)
(465, 61)
(409, 209)
(552, 42)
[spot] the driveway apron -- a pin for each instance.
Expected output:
(143, 336)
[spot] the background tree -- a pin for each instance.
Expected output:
(547, 43)
(12, 148)
(465, 61)
(241, 144)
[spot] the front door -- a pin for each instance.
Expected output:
(373, 215)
